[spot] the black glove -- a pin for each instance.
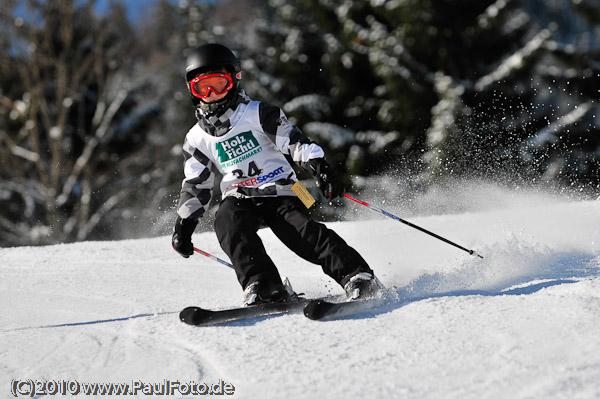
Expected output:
(327, 180)
(182, 236)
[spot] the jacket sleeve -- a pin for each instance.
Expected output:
(288, 138)
(197, 186)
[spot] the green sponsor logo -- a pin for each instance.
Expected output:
(237, 147)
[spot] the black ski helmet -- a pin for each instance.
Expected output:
(209, 57)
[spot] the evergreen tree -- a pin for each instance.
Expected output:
(527, 113)
(480, 86)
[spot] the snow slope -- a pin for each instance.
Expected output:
(521, 323)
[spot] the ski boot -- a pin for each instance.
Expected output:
(363, 285)
(261, 292)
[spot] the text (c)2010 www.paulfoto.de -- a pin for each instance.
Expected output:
(30, 387)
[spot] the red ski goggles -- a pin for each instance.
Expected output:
(218, 83)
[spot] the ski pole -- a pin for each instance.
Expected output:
(221, 261)
(376, 209)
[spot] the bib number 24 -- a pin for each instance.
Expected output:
(253, 170)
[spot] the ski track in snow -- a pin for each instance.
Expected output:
(521, 323)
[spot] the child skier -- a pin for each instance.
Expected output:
(251, 144)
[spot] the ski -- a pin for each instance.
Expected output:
(197, 316)
(314, 309)
(321, 309)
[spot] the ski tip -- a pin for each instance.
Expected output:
(190, 314)
(315, 310)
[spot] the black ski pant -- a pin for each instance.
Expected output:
(239, 219)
